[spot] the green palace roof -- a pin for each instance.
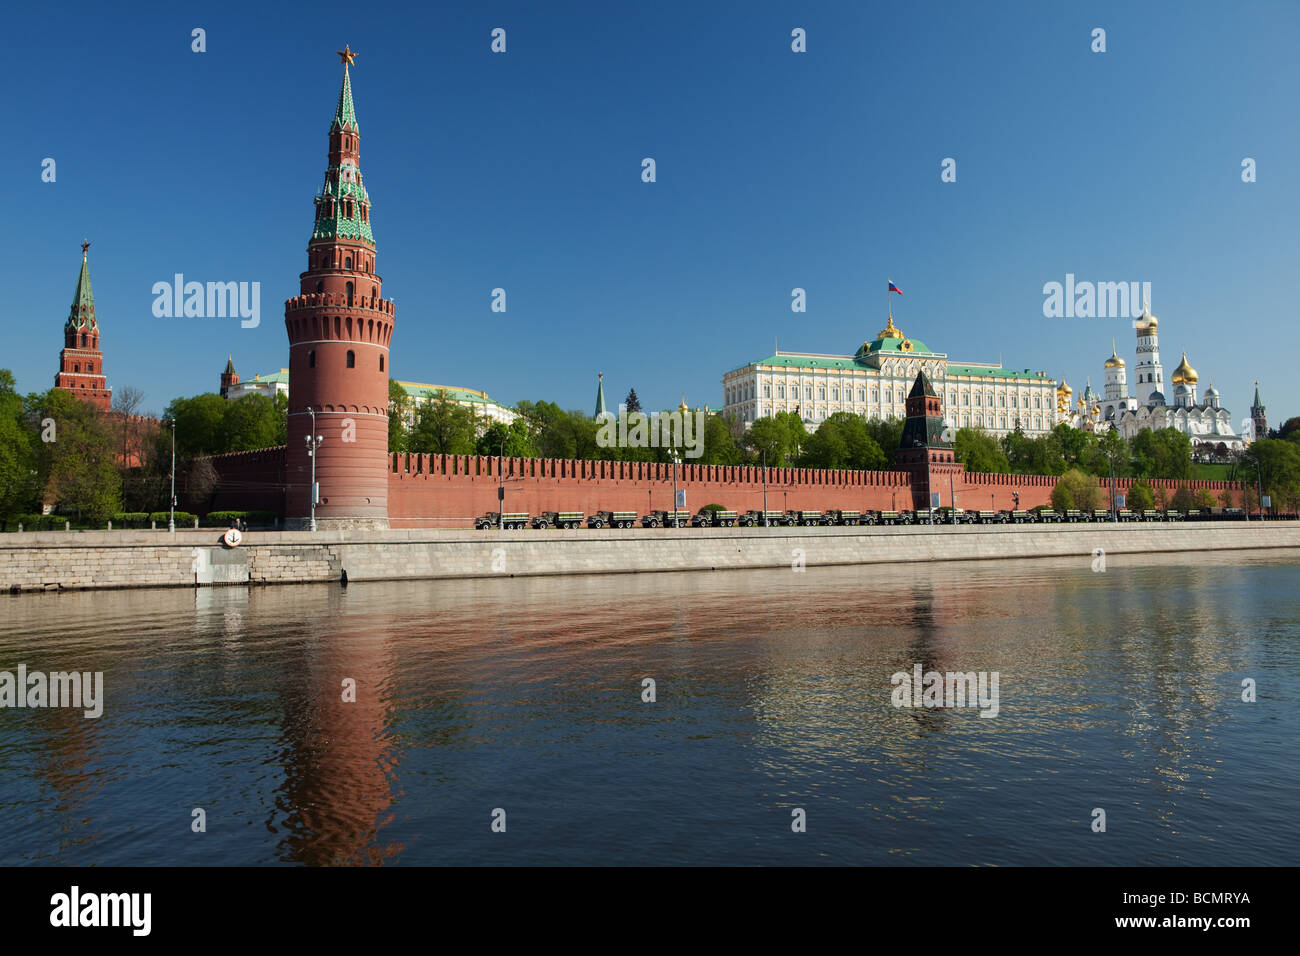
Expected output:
(422, 391)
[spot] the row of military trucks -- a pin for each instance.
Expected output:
(715, 518)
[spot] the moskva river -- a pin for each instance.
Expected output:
(791, 717)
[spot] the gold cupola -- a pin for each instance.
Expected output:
(1114, 361)
(1064, 389)
(1146, 322)
(1184, 374)
(890, 331)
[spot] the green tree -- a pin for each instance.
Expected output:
(1166, 453)
(249, 423)
(518, 441)
(399, 407)
(200, 425)
(1279, 468)
(1076, 490)
(1204, 498)
(1140, 497)
(720, 446)
(797, 434)
(19, 464)
(1183, 499)
(979, 452)
(83, 472)
(886, 433)
(769, 440)
(1033, 456)
(444, 427)
(632, 402)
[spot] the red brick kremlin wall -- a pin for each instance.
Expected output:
(447, 491)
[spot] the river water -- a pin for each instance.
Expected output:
(520, 701)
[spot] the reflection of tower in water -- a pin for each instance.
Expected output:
(337, 756)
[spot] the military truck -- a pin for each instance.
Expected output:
(836, 516)
(752, 518)
(511, 520)
(666, 519)
(804, 518)
(558, 519)
(892, 517)
(612, 519)
(1018, 517)
(711, 518)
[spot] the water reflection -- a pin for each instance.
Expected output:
(1119, 689)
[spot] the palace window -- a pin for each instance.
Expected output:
(965, 421)
(767, 391)
(821, 393)
(1002, 401)
(889, 395)
(965, 398)
(807, 393)
(862, 395)
(352, 359)
(875, 394)
(780, 391)
(835, 394)
(977, 399)
(1002, 421)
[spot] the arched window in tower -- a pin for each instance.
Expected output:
(311, 359)
(347, 263)
(374, 294)
(324, 262)
(352, 359)
(349, 288)
(381, 363)
(320, 286)
(76, 367)
(83, 340)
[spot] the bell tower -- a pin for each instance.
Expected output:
(339, 328)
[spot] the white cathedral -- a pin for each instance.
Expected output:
(1202, 419)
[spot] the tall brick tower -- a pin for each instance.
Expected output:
(339, 332)
(924, 450)
(81, 363)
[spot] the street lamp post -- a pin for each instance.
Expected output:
(1259, 490)
(952, 497)
(673, 454)
(171, 512)
(501, 488)
(764, 489)
(313, 443)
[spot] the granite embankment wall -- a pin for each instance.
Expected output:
(53, 560)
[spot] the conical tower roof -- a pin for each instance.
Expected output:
(82, 315)
(600, 395)
(345, 114)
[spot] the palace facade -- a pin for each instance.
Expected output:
(875, 381)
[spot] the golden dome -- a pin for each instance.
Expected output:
(1064, 389)
(682, 407)
(1114, 361)
(890, 331)
(1146, 322)
(1184, 374)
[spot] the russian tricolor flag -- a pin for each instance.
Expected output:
(894, 288)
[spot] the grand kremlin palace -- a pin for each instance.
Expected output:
(874, 383)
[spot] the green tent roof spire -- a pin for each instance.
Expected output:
(345, 114)
(82, 314)
(600, 395)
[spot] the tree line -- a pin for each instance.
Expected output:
(93, 465)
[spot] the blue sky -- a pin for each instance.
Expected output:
(775, 170)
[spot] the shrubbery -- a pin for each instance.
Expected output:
(222, 519)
